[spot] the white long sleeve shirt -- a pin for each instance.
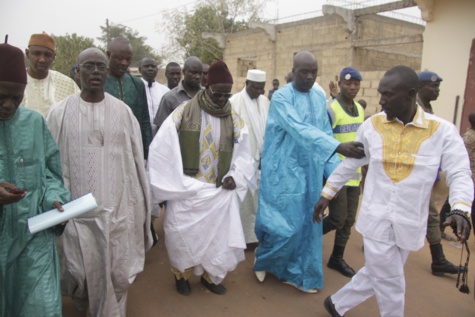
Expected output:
(154, 96)
(403, 164)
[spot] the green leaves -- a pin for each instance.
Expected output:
(139, 48)
(68, 48)
(210, 16)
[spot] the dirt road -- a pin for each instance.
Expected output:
(153, 294)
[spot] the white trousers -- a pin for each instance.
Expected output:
(382, 275)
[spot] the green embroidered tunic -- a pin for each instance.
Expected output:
(29, 267)
(131, 90)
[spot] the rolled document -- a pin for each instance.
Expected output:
(53, 217)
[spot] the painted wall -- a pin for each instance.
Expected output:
(447, 41)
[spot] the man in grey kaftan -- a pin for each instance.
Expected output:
(101, 150)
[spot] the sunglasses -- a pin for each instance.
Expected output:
(218, 95)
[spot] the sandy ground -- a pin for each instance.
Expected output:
(154, 294)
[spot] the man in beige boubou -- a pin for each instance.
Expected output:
(45, 87)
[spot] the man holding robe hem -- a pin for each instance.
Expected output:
(200, 163)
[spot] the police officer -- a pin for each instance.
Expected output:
(429, 89)
(346, 115)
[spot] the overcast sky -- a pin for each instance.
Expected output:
(21, 18)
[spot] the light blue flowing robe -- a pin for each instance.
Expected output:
(29, 267)
(298, 153)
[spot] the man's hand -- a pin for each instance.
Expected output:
(58, 206)
(228, 183)
(9, 198)
(351, 149)
(333, 89)
(319, 209)
(462, 227)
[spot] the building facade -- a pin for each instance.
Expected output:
(371, 43)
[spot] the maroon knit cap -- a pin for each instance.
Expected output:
(12, 64)
(219, 73)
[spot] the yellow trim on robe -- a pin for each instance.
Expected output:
(400, 145)
(332, 188)
(463, 203)
(325, 195)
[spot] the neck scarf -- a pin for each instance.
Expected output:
(190, 130)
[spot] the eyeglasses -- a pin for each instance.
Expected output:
(218, 95)
(91, 66)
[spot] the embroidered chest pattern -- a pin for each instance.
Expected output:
(400, 144)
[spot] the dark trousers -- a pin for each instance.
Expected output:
(342, 214)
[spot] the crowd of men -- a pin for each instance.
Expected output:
(229, 171)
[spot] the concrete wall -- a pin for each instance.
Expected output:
(369, 91)
(377, 54)
(447, 41)
(332, 43)
(239, 49)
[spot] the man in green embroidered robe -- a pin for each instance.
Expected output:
(128, 88)
(29, 159)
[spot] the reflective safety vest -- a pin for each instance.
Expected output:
(344, 128)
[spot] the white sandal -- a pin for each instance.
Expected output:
(261, 275)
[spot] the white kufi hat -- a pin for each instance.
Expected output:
(256, 75)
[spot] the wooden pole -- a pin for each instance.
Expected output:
(457, 99)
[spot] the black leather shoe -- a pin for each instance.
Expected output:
(217, 289)
(330, 307)
(183, 287)
(439, 268)
(338, 264)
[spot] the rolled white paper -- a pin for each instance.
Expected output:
(53, 217)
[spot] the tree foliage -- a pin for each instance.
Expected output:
(139, 48)
(210, 16)
(68, 48)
